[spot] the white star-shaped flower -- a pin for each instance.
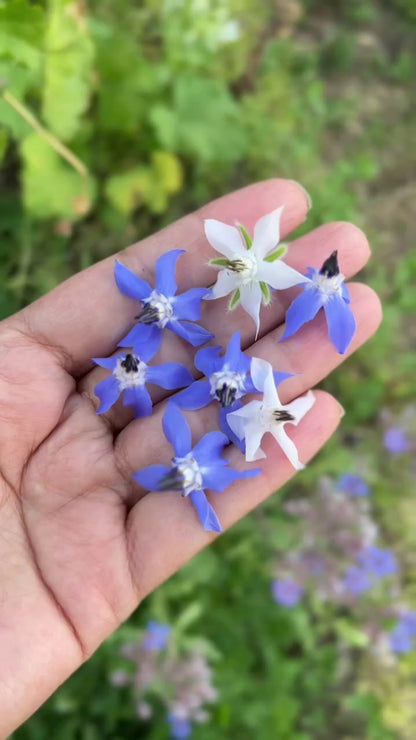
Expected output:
(250, 267)
(256, 418)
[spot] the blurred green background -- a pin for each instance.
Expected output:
(115, 119)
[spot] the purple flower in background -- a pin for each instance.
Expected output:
(161, 307)
(379, 562)
(324, 288)
(129, 375)
(192, 469)
(409, 620)
(156, 636)
(353, 484)
(286, 592)
(396, 441)
(357, 580)
(401, 638)
(180, 727)
(228, 380)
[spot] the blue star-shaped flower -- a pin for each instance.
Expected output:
(401, 638)
(377, 561)
(129, 375)
(324, 288)
(227, 381)
(156, 636)
(161, 307)
(357, 580)
(193, 468)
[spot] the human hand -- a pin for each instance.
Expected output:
(80, 543)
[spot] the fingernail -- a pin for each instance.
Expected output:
(305, 192)
(341, 410)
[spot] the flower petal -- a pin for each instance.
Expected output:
(304, 308)
(151, 476)
(341, 323)
(287, 445)
(218, 479)
(129, 283)
(207, 452)
(234, 358)
(226, 283)
(108, 362)
(193, 333)
(224, 238)
(139, 398)
(251, 297)
(195, 397)
(279, 275)
(263, 378)
(300, 407)
(169, 375)
(145, 340)
(108, 392)
(225, 427)
(206, 513)
(176, 430)
(253, 434)
(188, 305)
(165, 272)
(207, 360)
(267, 233)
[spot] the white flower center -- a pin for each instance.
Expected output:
(191, 473)
(130, 371)
(162, 305)
(328, 285)
(227, 385)
(245, 267)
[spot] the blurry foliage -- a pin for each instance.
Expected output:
(168, 103)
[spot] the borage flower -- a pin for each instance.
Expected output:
(227, 381)
(254, 420)
(324, 288)
(161, 307)
(193, 468)
(287, 591)
(378, 562)
(129, 375)
(250, 267)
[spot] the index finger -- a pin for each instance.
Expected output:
(86, 316)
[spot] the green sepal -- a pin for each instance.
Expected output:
(266, 292)
(235, 299)
(277, 254)
(220, 262)
(247, 238)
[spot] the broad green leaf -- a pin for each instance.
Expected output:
(68, 68)
(149, 185)
(266, 292)
(278, 254)
(50, 187)
(17, 81)
(235, 299)
(21, 32)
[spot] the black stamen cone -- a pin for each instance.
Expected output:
(281, 415)
(130, 364)
(172, 481)
(330, 267)
(226, 395)
(149, 315)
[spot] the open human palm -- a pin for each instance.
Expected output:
(81, 544)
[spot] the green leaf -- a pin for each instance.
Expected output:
(150, 185)
(247, 238)
(21, 32)
(266, 292)
(235, 299)
(68, 69)
(277, 254)
(50, 187)
(221, 262)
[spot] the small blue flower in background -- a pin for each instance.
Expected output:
(324, 288)
(161, 307)
(227, 381)
(396, 441)
(156, 636)
(357, 580)
(402, 635)
(286, 592)
(353, 484)
(379, 562)
(180, 727)
(129, 375)
(192, 469)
